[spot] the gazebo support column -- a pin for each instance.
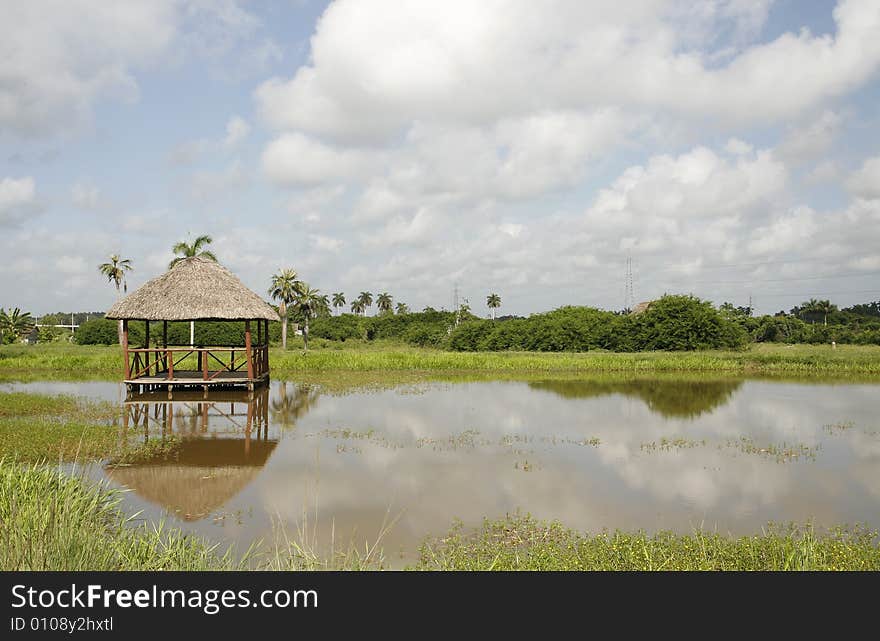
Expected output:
(248, 352)
(199, 355)
(125, 349)
(165, 341)
(147, 345)
(258, 355)
(266, 346)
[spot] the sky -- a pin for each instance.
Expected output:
(729, 148)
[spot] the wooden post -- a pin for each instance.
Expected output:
(204, 359)
(125, 349)
(259, 364)
(169, 355)
(165, 341)
(247, 349)
(147, 345)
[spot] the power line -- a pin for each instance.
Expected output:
(767, 262)
(770, 280)
(814, 294)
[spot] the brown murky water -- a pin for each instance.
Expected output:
(647, 453)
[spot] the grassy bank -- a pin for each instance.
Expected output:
(36, 427)
(51, 521)
(522, 543)
(21, 362)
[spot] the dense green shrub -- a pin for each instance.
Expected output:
(337, 328)
(671, 323)
(99, 331)
(102, 331)
(683, 323)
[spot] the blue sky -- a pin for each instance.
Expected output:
(731, 148)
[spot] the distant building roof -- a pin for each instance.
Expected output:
(641, 308)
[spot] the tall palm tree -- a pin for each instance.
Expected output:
(187, 250)
(307, 303)
(367, 299)
(15, 326)
(383, 302)
(402, 308)
(493, 301)
(285, 287)
(357, 306)
(338, 299)
(323, 305)
(825, 307)
(114, 270)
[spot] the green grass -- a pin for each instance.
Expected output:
(51, 521)
(36, 427)
(22, 362)
(522, 543)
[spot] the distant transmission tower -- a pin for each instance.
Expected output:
(455, 303)
(629, 297)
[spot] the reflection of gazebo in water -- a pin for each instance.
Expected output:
(195, 289)
(221, 448)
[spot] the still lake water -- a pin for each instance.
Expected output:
(648, 454)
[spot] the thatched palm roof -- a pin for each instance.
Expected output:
(194, 289)
(641, 308)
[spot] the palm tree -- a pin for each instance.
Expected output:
(15, 325)
(825, 307)
(367, 299)
(402, 308)
(323, 306)
(383, 302)
(493, 301)
(115, 270)
(308, 302)
(338, 299)
(284, 288)
(186, 250)
(357, 306)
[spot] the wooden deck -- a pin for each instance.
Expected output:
(193, 379)
(192, 394)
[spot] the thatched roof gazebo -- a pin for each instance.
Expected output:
(195, 289)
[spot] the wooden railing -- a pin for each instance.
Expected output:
(159, 361)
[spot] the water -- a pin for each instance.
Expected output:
(645, 454)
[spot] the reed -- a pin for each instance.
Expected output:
(523, 543)
(52, 521)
